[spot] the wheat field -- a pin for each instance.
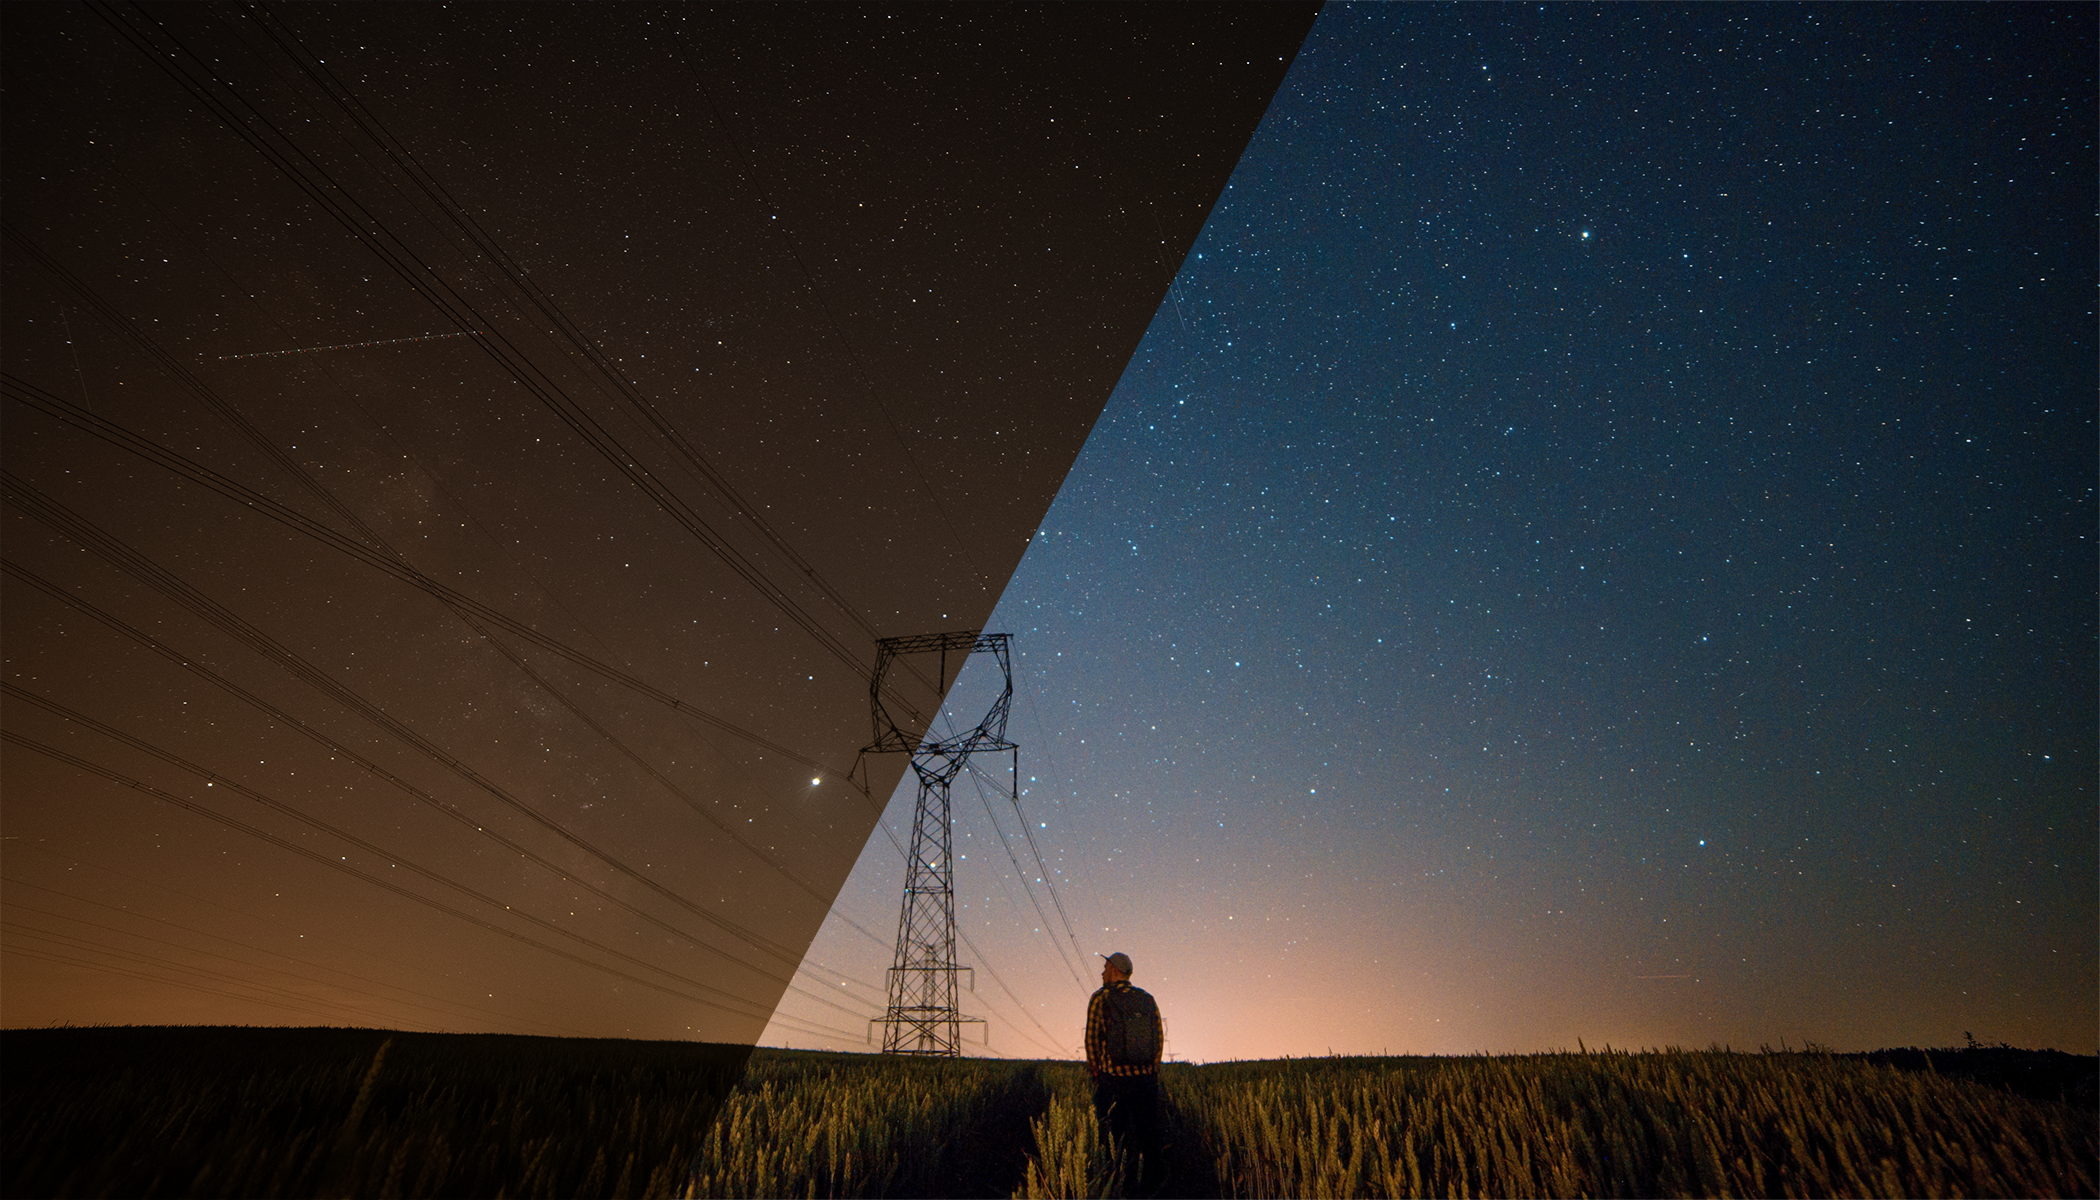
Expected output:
(332, 1112)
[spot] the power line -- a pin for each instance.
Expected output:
(465, 617)
(254, 435)
(116, 435)
(566, 327)
(306, 1009)
(1025, 885)
(810, 280)
(249, 916)
(146, 571)
(109, 431)
(986, 963)
(978, 781)
(89, 943)
(16, 881)
(1048, 878)
(296, 725)
(1044, 875)
(215, 779)
(379, 427)
(25, 743)
(233, 120)
(810, 1028)
(368, 229)
(1049, 770)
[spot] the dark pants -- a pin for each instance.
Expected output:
(1127, 1107)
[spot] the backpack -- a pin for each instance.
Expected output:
(1130, 1027)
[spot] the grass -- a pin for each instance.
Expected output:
(308, 1112)
(274, 1112)
(1671, 1123)
(810, 1124)
(1068, 1159)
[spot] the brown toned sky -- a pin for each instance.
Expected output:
(618, 376)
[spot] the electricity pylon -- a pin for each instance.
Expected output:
(922, 1017)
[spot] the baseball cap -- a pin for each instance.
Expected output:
(1119, 960)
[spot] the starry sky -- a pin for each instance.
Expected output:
(1590, 534)
(458, 464)
(1597, 545)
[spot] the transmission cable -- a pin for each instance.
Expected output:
(986, 963)
(398, 257)
(979, 779)
(17, 740)
(251, 916)
(307, 1009)
(1049, 770)
(145, 570)
(867, 380)
(454, 306)
(17, 882)
(203, 95)
(15, 692)
(116, 435)
(368, 123)
(1010, 856)
(83, 942)
(71, 414)
(1045, 875)
(57, 407)
(297, 725)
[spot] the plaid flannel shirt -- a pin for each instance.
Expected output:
(1097, 1036)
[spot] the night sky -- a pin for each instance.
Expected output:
(459, 463)
(1599, 545)
(1597, 541)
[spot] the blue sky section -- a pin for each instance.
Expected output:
(1597, 544)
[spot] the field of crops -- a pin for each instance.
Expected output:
(256, 1112)
(350, 1112)
(1691, 1124)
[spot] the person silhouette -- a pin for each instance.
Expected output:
(1124, 1042)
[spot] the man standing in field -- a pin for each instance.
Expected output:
(1124, 1041)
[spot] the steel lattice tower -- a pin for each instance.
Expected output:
(922, 1017)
